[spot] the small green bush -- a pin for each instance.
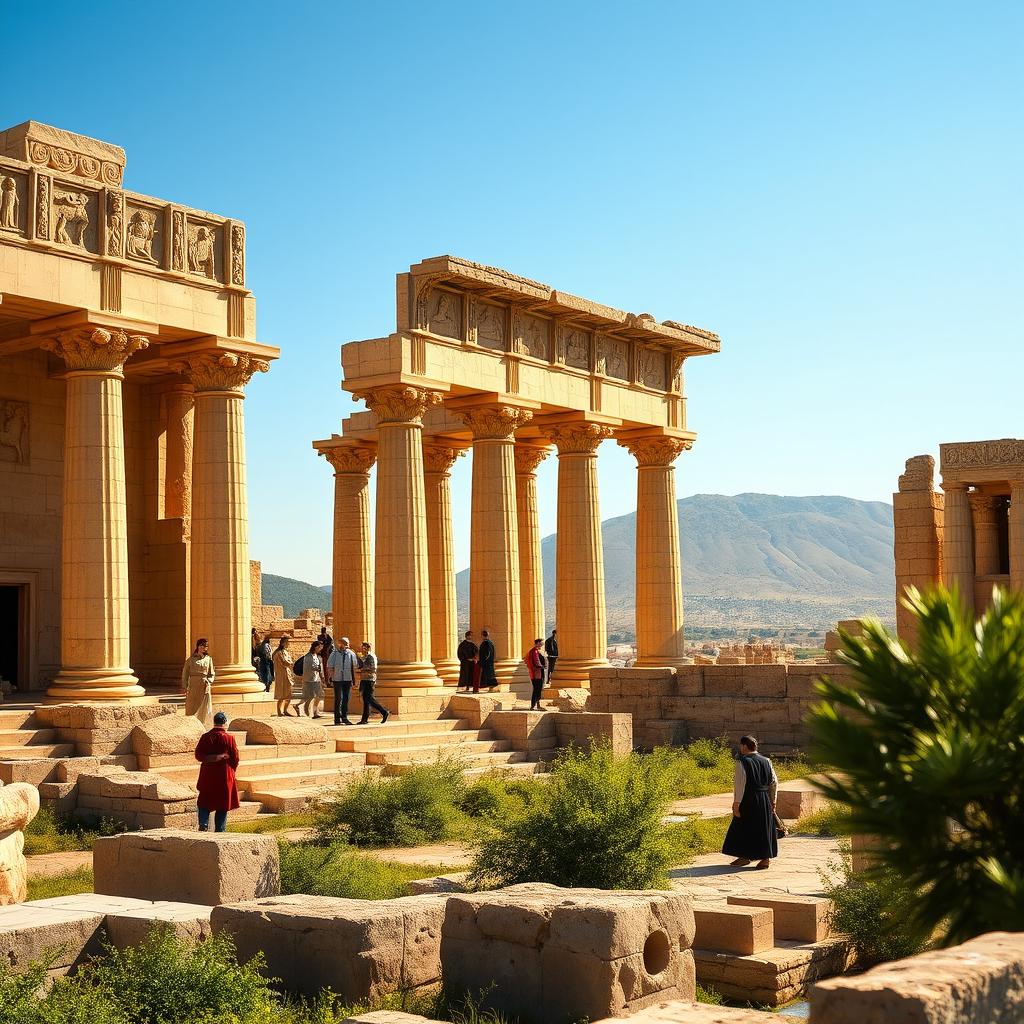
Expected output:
(597, 822)
(338, 870)
(413, 809)
(47, 833)
(831, 820)
(496, 794)
(874, 908)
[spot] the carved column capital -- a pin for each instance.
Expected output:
(577, 438)
(529, 457)
(439, 458)
(95, 348)
(494, 422)
(399, 403)
(983, 507)
(350, 458)
(221, 371)
(652, 452)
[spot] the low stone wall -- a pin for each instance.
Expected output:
(673, 706)
(95, 729)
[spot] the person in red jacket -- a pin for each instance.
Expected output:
(537, 663)
(217, 754)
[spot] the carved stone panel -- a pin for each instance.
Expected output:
(13, 203)
(178, 240)
(204, 253)
(144, 235)
(575, 345)
(237, 254)
(533, 336)
(44, 190)
(650, 368)
(613, 358)
(444, 313)
(13, 431)
(115, 223)
(490, 325)
(75, 217)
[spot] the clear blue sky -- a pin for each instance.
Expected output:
(834, 188)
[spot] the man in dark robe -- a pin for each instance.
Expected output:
(466, 654)
(551, 650)
(217, 754)
(752, 832)
(487, 654)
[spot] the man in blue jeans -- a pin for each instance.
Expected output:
(342, 666)
(368, 681)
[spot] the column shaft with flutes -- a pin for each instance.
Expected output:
(528, 457)
(1016, 534)
(958, 543)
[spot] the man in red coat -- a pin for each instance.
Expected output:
(217, 754)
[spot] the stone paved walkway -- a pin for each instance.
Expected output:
(44, 865)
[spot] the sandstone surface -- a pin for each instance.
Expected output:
(19, 804)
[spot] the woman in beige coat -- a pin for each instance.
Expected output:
(283, 678)
(197, 682)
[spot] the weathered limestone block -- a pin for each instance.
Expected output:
(280, 730)
(679, 1012)
(734, 929)
(455, 882)
(98, 729)
(29, 931)
(864, 851)
(389, 1017)
(800, 918)
(979, 981)
(361, 949)
(477, 708)
(209, 868)
(187, 921)
(571, 700)
(797, 798)
(19, 804)
(31, 770)
(554, 954)
(583, 728)
(170, 734)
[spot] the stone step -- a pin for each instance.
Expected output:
(385, 741)
(26, 735)
(254, 788)
(285, 801)
(248, 754)
(397, 726)
(426, 754)
(481, 763)
(37, 750)
(246, 810)
(247, 769)
(17, 718)
(526, 769)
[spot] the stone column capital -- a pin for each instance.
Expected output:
(221, 371)
(350, 458)
(399, 403)
(983, 506)
(529, 457)
(95, 348)
(439, 458)
(494, 422)
(656, 452)
(577, 438)
(955, 486)
(1017, 490)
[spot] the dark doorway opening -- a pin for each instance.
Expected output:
(10, 633)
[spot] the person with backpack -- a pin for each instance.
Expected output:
(536, 663)
(310, 670)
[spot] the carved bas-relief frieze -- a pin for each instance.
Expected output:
(142, 232)
(533, 336)
(178, 240)
(613, 358)
(83, 165)
(9, 204)
(201, 250)
(71, 217)
(576, 346)
(970, 454)
(444, 313)
(13, 431)
(650, 368)
(490, 325)
(115, 224)
(237, 254)
(43, 207)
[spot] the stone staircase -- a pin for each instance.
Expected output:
(22, 737)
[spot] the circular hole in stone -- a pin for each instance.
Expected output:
(657, 953)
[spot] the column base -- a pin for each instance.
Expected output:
(239, 682)
(448, 670)
(655, 662)
(572, 673)
(407, 677)
(72, 686)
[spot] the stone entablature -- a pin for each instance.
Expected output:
(982, 461)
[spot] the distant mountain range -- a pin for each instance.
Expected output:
(749, 561)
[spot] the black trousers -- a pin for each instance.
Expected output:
(366, 692)
(551, 666)
(342, 690)
(538, 686)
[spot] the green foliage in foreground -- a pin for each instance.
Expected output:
(875, 909)
(47, 833)
(69, 883)
(335, 869)
(597, 822)
(169, 981)
(270, 823)
(419, 807)
(928, 747)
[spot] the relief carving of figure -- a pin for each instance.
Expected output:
(534, 340)
(141, 232)
(577, 352)
(9, 204)
(444, 317)
(72, 217)
(237, 255)
(490, 323)
(615, 362)
(200, 253)
(177, 232)
(115, 217)
(43, 208)
(14, 428)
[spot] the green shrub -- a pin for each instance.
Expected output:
(708, 995)
(497, 794)
(47, 833)
(418, 807)
(875, 909)
(700, 769)
(338, 870)
(829, 821)
(596, 822)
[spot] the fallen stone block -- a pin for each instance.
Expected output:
(477, 708)
(680, 1012)
(280, 731)
(542, 952)
(19, 804)
(799, 918)
(439, 884)
(574, 699)
(32, 770)
(864, 851)
(208, 868)
(798, 798)
(728, 929)
(187, 921)
(169, 734)
(979, 981)
(360, 949)
(29, 932)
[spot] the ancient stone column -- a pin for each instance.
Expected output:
(352, 566)
(402, 581)
(94, 643)
(579, 572)
(220, 595)
(958, 543)
(659, 583)
(1016, 524)
(986, 533)
(178, 417)
(494, 595)
(438, 460)
(531, 571)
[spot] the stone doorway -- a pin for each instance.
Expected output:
(13, 657)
